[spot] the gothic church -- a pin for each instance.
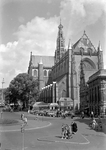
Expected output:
(67, 72)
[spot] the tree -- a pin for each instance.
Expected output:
(22, 88)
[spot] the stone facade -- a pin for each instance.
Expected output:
(64, 78)
(97, 92)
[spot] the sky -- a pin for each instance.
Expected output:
(32, 25)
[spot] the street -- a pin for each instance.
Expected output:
(45, 134)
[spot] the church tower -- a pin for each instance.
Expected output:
(60, 45)
(100, 57)
(73, 79)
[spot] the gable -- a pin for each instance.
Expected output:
(84, 45)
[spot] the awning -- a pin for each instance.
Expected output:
(54, 105)
(62, 99)
(40, 104)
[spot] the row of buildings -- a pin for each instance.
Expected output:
(77, 73)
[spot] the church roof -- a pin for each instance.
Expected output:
(48, 61)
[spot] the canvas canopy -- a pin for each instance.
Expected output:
(54, 104)
(40, 104)
(62, 99)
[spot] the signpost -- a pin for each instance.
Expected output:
(23, 132)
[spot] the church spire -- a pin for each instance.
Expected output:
(60, 45)
(99, 47)
(100, 57)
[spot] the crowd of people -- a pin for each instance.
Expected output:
(68, 130)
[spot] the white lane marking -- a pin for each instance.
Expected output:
(69, 142)
(27, 129)
(85, 139)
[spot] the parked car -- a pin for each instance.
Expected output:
(7, 108)
(51, 113)
(70, 113)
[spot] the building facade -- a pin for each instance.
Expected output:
(68, 70)
(97, 92)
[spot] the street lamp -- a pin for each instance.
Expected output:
(2, 102)
(2, 91)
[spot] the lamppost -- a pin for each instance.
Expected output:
(2, 102)
(2, 91)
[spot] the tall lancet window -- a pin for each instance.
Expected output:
(35, 73)
(45, 73)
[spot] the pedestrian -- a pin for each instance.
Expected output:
(82, 115)
(25, 120)
(94, 123)
(22, 116)
(28, 111)
(1, 113)
(74, 127)
(92, 115)
(99, 123)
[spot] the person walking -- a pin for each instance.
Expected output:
(82, 115)
(1, 113)
(74, 127)
(92, 115)
(22, 116)
(25, 120)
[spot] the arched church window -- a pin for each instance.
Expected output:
(45, 73)
(35, 73)
(81, 50)
(89, 51)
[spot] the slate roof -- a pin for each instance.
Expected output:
(48, 61)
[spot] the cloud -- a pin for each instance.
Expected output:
(38, 36)
(3, 2)
(21, 19)
(78, 14)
